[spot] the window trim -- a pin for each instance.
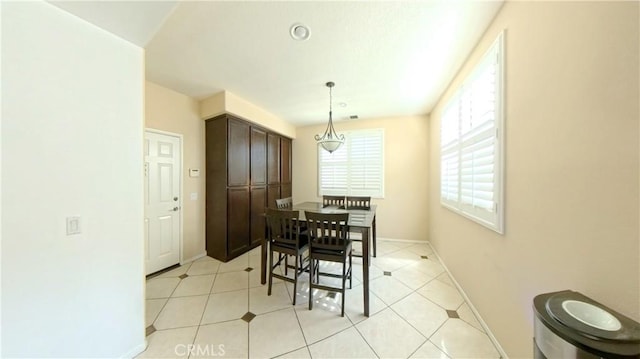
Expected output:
(348, 192)
(497, 49)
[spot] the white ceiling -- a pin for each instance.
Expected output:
(386, 58)
(135, 21)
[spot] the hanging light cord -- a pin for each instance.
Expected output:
(332, 131)
(330, 140)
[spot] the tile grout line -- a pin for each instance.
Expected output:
(351, 321)
(473, 326)
(165, 303)
(295, 312)
(365, 339)
(416, 329)
(427, 339)
(204, 310)
(248, 311)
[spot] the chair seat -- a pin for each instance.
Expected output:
(331, 257)
(302, 245)
(332, 251)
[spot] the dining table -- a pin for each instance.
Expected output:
(362, 220)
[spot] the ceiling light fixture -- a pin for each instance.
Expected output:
(330, 141)
(299, 32)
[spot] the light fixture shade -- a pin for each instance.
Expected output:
(330, 140)
(331, 145)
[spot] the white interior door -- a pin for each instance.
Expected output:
(162, 162)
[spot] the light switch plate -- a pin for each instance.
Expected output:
(194, 196)
(194, 172)
(73, 225)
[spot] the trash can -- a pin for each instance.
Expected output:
(568, 324)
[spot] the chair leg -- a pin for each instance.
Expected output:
(270, 271)
(295, 282)
(286, 264)
(350, 270)
(311, 269)
(373, 236)
(344, 280)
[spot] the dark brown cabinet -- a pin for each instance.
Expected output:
(273, 158)
(285, 167)
(238, 201)
(258, 156)
(246, 171)
(258, 204)
(238, 153)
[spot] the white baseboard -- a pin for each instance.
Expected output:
(473, 309)
(136, 350)
(400, 240)
(196, 257)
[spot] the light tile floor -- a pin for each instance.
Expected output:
(212, 309)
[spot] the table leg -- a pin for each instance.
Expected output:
(373, 224)
(365, 268)
(263, 262)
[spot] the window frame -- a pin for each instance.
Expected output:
(454, 148)
(349, 191)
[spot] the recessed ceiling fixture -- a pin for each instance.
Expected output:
(299, 32)
(330, 141)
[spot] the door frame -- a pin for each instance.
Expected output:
(180, 138)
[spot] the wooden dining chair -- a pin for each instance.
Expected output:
(287, 203)
(337, 201)
(328, 241)
(364, 203)
(284, 203)
(358, 202)
(285, 238)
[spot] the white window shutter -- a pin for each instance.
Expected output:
(333, 171)
(356, 168)
(471, 148)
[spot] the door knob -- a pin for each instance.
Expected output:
(175, 209)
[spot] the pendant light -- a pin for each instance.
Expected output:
(330, 141)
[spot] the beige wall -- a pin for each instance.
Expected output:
(170, 111)
(72, 130)
(226, 102)
(406, 173)
(572, 184)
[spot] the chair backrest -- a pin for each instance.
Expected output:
(354, 202)
(332, 201)
(282, 226)
(284, 203)
(327, 230)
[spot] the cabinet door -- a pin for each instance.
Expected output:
(285, 190)
(285, 161)
(238, 217)
(258, 157)
(216, 188)
(273, 159)
(273, 193)
(258, 204)
(238, 153)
